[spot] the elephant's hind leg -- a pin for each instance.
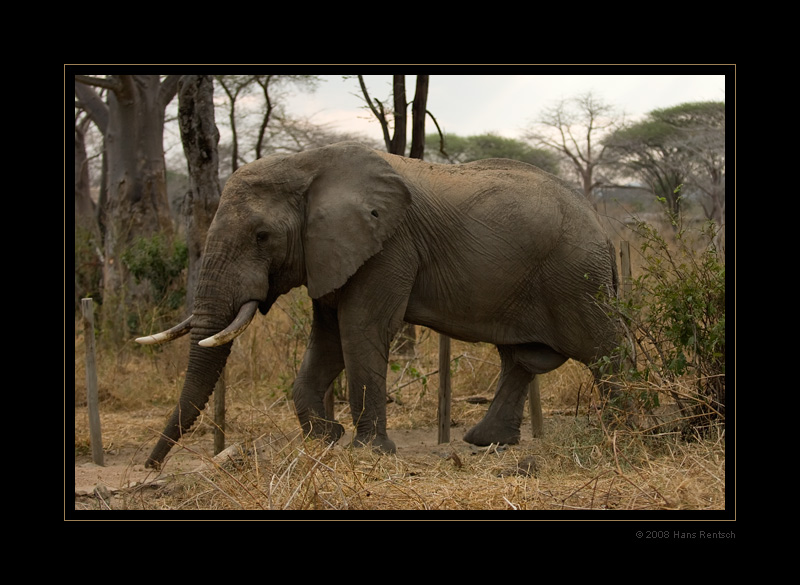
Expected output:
(519, 365)
(322, 362)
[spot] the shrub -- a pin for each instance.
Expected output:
(158, 267)
(674, 320)
(154, 260)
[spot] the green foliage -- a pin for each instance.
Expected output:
(161, 264)
(675, 320)
(462, 149)
(411, 371)
(692, 115)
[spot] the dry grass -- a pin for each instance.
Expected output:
(579, 465)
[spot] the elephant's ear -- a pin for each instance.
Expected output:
(354, 204)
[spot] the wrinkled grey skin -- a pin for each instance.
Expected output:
(495, 251)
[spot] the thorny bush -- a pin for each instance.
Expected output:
(674, 325)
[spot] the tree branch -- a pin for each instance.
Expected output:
(91, 103)
(169, 87)
(98, 82)
(379, 115)
(441, 135)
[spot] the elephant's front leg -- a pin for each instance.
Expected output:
(367, 329)
(365, 353)
(322, 362)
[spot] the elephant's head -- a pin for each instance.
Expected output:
(283, 221)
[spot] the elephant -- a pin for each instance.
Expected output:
(494, 251)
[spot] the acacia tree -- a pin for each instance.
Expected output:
(462, 149)
(573, 128)
(699, 142)
(680, 145)
(131, 120)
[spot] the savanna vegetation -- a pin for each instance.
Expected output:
(658, 443)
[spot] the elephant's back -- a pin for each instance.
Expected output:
(526, 177)
(498, 177)
(491, 198)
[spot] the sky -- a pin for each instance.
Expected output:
(503, 104)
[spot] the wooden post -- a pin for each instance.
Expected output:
(328, 401)
(625, 261)
(219, 414)
(444, 389)
(92, 401)
(535, 408)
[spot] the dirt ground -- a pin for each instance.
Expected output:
(124, 466)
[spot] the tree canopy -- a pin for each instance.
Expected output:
(462, 149)
(680, 145)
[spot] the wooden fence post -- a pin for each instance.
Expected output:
(444, 389)
(535, 408)
(219, 414)
(625, 261)
(92, 400)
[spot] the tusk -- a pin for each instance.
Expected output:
(179, 330)
(246, 314)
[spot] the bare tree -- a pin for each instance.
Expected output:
(132, 123)
(395, 141)
(573, 128)
(233, 86)
(255, 131)
(298, 134)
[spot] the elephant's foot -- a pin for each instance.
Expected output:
(485, 433)
(378, 443)
(328, 430)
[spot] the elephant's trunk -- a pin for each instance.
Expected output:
(214, 324)
(207, 357)
(205, 366)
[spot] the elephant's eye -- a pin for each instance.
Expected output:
(262, 237)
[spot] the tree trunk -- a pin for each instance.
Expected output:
(418, 111)
(399, 136)
(88, 260)
(200, 137)
(84, 206)
(408, 334)
(136, 204)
